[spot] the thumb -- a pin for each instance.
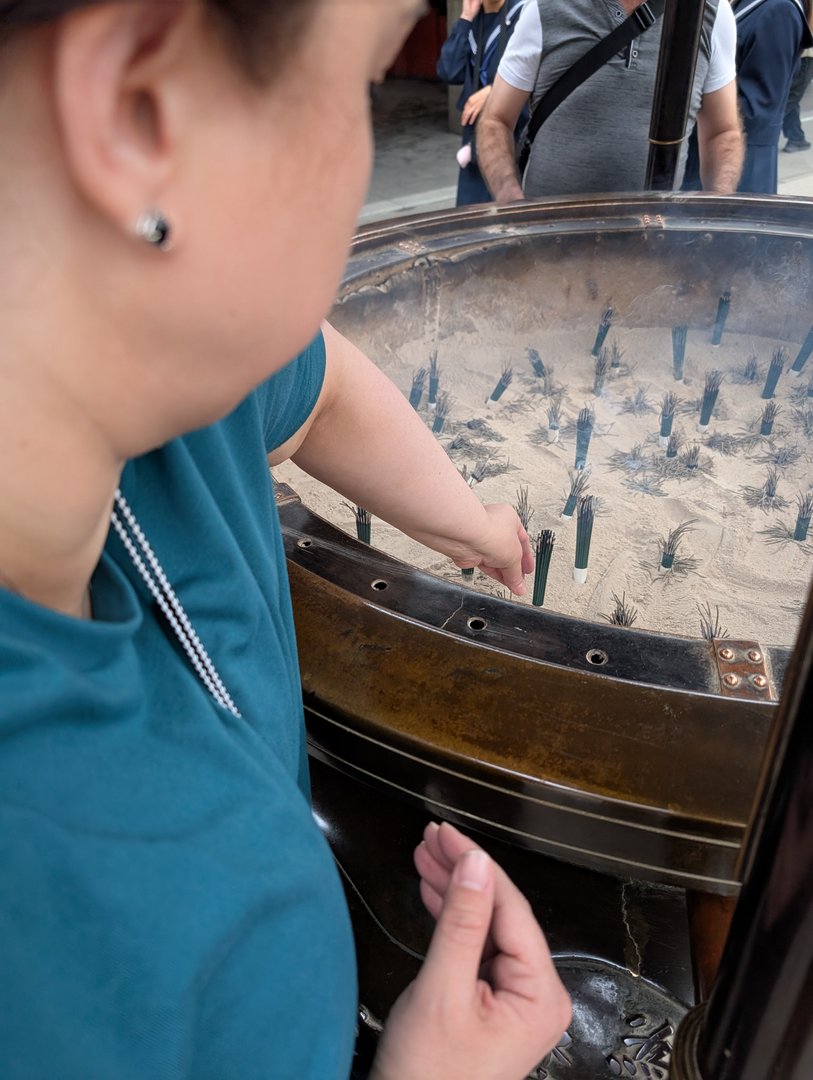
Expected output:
(456, 950)
(511, 576)
(514, 579)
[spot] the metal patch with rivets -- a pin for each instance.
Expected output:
(742, 670)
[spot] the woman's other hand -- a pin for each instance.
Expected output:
(474, 106)
(471, 9)
(487, 1003)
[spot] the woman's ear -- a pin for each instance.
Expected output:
(116, 103)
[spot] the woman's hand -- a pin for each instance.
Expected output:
(503, 551)
(474, 105)
(365, 440)
(487, 1003)
(471, 9)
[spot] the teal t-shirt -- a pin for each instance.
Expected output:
(168, 907)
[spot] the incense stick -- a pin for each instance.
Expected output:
(578, 488)
(671, 543)
(603, 329)
(554, 421)
(804, 353)
(722, 314)
(774, 371)
(503, 383)
(584, 532)
(804, 504)
(712, 389)
(443, 406)
(364, 524)
(536, 363)
(584, 432)
(668, 406)
(766, 420)
(679, 335)
(416, 392)
(544, 552)
(600, 371)
(434, 380)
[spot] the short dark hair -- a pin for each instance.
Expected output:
(260, 33)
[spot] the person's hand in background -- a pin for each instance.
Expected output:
(474, 106)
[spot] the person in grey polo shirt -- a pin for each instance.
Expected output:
(598, 139)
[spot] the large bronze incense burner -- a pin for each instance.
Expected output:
(612, 770)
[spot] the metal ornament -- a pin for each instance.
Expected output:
(154, 228)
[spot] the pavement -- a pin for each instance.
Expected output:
(415, 168)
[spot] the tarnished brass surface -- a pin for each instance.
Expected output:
(601, 771)
(662, 259)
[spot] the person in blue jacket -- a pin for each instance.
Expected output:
(792, 124)
(471, 56)
(179, 187)
(771, 35)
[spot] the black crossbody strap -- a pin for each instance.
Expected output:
(640, 21)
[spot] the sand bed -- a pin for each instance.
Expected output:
(725, 561)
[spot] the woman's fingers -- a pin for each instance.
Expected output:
(528, 559)
(514, 926)
(432, 900)
(435, 873)
(451, 1022)
(452, 964)
(512, 577)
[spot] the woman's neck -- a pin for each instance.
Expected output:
(56, 489)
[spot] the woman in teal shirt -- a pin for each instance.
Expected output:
(175, 212)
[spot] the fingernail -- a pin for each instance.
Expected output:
(474, 870)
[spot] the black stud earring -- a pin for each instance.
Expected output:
(154, 228)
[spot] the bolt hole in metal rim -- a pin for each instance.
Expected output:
(379, 584)
(529, 747)
(477, 623)
(304, 543)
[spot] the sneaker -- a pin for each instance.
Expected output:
(795, 147)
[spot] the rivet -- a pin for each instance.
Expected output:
(726, 653)
(754, 655)
(731, 679)
(759, 681)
